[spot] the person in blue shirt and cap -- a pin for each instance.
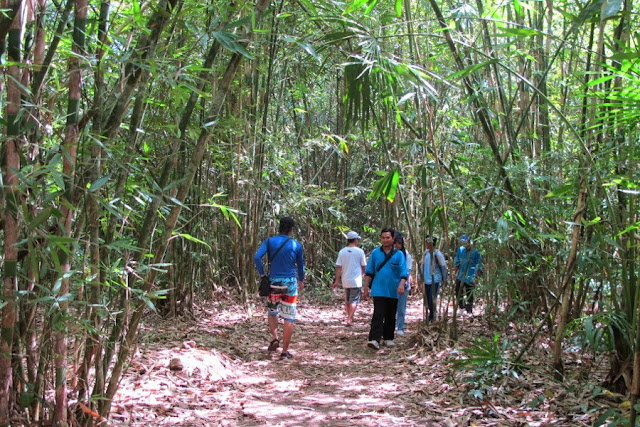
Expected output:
(467, 266)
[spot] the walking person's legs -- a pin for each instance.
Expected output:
(402, 309)
(273, 325)
(353, 299)
(430, 300)
(378, 327)
(377, 319)
(283, 303)
(389, 326)
(287, 333)
(273, 310)
(468, 288)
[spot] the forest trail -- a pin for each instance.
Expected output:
(227, 377)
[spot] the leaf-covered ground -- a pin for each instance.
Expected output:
(215, 370)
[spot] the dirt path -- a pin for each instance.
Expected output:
(227, 377)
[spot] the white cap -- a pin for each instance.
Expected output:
(352, 235)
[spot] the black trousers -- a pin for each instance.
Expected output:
(383, 322)
(432, 293)
(465, 293)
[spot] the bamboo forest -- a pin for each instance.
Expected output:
(149, 147)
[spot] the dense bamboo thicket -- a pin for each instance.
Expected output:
(148, 146)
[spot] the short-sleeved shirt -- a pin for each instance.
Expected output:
(351, 259)
(386, 280)
(287, 262)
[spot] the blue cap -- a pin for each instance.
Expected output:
(465, 238)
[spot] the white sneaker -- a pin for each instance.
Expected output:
(400, 333)
(388, 343)
(373, 344)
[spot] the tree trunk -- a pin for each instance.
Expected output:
(67, 209)
(567, 280)
(11, 190)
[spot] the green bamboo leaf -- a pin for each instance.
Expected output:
(136, 12)
(354, 5)
(39, 219)
(191, 238)
(337, 36)
(379, 186)
(609, 9)
(517, 6)
(311, 9)
(370, 7)
(309, 49)
(561, 190)
(393, 186)
(518, 32)
(629, 56)
(399, 8)
(149, 303)
(98, 183)
(594, 221)
(470, 69)
(567, 15)
(629, 229)
(179, 203)
(405, 98)
(601, 80)
(228, 41)
(122, 244)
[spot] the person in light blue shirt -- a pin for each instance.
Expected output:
(468, 266)
(286, 273)
(386, 274)
(434, 272)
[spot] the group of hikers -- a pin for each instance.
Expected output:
(386, 278)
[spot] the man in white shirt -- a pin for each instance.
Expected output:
(350, 267)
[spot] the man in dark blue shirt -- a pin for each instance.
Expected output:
(286, 273)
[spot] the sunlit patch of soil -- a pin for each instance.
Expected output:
(216, 371)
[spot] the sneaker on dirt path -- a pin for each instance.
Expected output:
(373, 344)
(400, 332)
(388, 343)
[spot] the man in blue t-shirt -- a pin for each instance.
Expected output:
(286, 257)
(386, 274)
(468, 266)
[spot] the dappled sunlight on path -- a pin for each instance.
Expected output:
(217, 371)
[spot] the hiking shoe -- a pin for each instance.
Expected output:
(286, 355)
(373, 344)
(400, 332)
(388, 343)
(273, 345)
